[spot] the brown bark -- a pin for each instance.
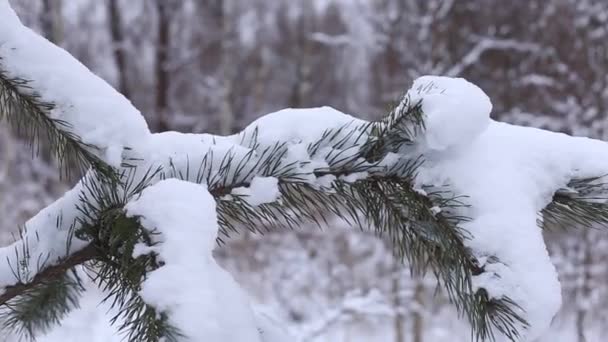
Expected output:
(50, 273)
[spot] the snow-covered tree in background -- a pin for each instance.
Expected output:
(457, 194)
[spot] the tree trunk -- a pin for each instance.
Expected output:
(585, 289)
(51, 20)
(398, 324)
(162, 57)
(227, 118)
(118, 41)
(418, 320)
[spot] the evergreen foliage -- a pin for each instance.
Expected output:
(424, 225)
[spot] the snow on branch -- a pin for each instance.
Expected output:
(403, 177)
(204, 299)
(43, 89)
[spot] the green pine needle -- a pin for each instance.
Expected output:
(29, 114)
(42, 307)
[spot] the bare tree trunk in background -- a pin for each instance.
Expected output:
(302, 71)
(162, 57)
(259, 91)
(398, 324)
(295, 100)
(51, 20)
(7, 151)
(118, 41)
(227, 117)
(418, 320)
(585, 289)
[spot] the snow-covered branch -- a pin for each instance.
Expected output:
(73, 99)
(401, 176)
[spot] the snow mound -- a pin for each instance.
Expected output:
(205, 302)
(456, 111)
(509, 174)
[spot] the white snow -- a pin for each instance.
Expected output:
(456, 111)
(299, 125)
(44, 240)
(205, 303)
(270, 329)
(353, 177)
(96, 112)
(261, 190)
(509, 174)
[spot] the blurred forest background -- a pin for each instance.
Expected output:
(216, 65)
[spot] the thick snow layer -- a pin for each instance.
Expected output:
(205, 303)
(298, 129)
(456, 111)
(298, 125)
(509, 174)
(96, 112)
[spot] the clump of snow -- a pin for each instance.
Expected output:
(96, 113)
(261, 190)
(201, 299)
(509, 175)
(456, 111)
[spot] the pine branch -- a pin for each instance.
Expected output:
(40, 307)
(423, 227)
(50, 274)
(368, 180)
(30, 115)
(120, 275)
(583, 204)
(101, 202)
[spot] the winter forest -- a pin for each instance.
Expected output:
(216, 66)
